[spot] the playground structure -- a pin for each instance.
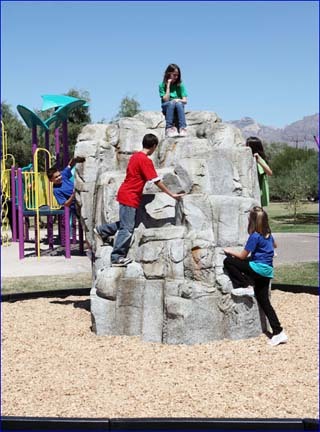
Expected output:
(27, 191)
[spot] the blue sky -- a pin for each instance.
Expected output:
(238, 58)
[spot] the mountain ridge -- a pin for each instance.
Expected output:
(297, 134)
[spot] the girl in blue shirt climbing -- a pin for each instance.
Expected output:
(173, 96)
(256, 270)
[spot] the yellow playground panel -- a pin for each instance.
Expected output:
(37, 189)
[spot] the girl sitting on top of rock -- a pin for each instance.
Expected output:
(173, 96)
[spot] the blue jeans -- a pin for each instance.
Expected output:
(125, 229)
(169, 109)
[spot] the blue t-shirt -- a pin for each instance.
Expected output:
(63, 191)
(262, 252)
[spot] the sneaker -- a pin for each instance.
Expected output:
(171, 132)
(96, 232)
(278, 339)
(249, 291)
(107, 240)
(183, 132)
(122, 262)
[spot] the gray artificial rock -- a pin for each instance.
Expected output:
(175, 290)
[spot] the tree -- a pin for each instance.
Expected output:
(273, 149)
(128, 108)
(294, 186)
(18, 136)
(295, 176)
(78, 118)
(284, 160)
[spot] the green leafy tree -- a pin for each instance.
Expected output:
(284, 160)
(312, 172)
(295, 177)
(273, 149)
(128, 108)
(18, 136)
(78, 118)
(294, 186)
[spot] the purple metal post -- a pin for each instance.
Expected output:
(81, 248)
(26, 228)
(74, 229)
(62, 224)
(36, 233)
(47, 144)
(65, 143)
(57, 147)
(50, 231)
(67, 231)
(34, 140)
(20, 214)
(13, 204)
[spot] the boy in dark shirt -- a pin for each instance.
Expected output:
(140, 169)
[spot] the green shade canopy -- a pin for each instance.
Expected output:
(50, 120)
(54, 101)
(30, 118)
(61, 114)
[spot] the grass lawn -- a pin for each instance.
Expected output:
(281, 219)
(305, 274)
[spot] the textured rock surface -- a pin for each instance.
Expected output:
(175, 291)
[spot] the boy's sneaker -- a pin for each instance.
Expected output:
(96, 232)
(122, 262)
(171, 132)
(183, 132)
(103, 239)
(249, 291)
(278, 339)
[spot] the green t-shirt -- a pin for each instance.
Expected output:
(264, 185)
(176, 91)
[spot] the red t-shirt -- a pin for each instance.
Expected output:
(140, 169)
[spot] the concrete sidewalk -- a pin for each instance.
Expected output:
(12, 266)
(296, 248)
(44, 273)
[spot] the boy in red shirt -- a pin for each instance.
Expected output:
(140, 169)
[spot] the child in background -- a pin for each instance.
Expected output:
(263, 168)
(258, 269)
(173, 96)
(63, 186)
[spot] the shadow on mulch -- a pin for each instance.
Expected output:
(77, 304)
